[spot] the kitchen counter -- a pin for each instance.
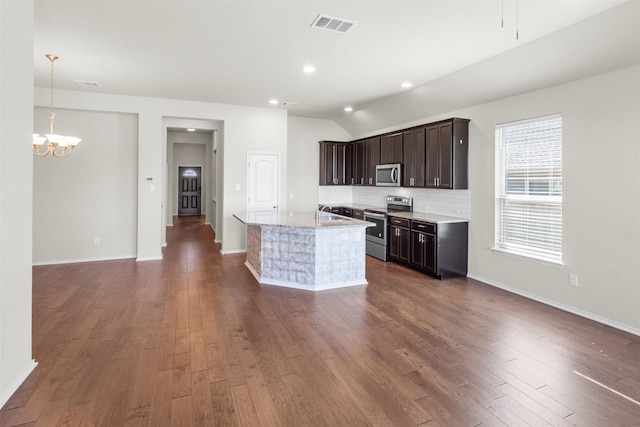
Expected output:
(299, 219)
(428, 217)
(305, 250)
(420, 216)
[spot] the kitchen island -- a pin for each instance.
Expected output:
(305, 250)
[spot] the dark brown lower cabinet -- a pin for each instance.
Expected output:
(399, 245)
(423, 248)
(439, 250)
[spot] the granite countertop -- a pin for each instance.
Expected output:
(352, 206)
(428, 217)
(420, 216)
(300, 220)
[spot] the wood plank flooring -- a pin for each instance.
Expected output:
(193, 340)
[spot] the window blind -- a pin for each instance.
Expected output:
(529, 188)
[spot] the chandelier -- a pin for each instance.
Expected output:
(56, 145)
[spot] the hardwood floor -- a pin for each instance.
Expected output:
(193, 340)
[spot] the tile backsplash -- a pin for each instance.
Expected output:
(443, 202)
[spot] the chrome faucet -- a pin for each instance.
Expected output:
(322, 209)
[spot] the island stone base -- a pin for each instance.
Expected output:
(313, 259)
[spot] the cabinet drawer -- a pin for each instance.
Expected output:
(347, 212)
(357, 214)
(400, 222)
(425, 227)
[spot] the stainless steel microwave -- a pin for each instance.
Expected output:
(389, 175)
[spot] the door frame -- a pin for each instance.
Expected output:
(177, 186)
(278, 178)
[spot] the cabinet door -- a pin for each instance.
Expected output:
(430, 254)
(445, 149)
(372, 156)
(391, 148)
(407, 159)
(326, 162)
(358, 163)
(413, 147)
(404, 245)
(394, 243)
(433, 156)
(342, 162)
(416, 258)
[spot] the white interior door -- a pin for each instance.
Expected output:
(263, 182)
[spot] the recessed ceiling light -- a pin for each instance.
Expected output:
(191, 130)
(309, 69)
(348, 109)
(406, 85)
(273, 102)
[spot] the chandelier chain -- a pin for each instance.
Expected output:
(52, 114)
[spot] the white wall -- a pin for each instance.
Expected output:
(16, 183)
(90, 194)
(601, 203)
(245, 129)
(302, 148)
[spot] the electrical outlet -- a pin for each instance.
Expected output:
(573, 279)
(96, 240)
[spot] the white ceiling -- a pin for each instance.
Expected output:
(247, 52)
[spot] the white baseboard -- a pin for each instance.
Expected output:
(74, 261)
(149, 258)
(6, 394)
(558, 305)
(233, 251)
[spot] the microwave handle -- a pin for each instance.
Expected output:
(394, 175)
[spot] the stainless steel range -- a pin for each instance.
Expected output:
(377, 236)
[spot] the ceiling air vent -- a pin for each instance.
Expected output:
(329, 23)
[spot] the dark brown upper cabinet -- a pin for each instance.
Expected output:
(358, 167)
(391, 148)
(414, 149)
(372, 159)
(433, 155)
(447, 154)
(335, 163)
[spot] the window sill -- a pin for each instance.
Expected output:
(556, 264)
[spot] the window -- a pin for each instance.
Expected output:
(529, 188)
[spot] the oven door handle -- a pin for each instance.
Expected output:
(374, 215)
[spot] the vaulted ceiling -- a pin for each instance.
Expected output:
(456, 53)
